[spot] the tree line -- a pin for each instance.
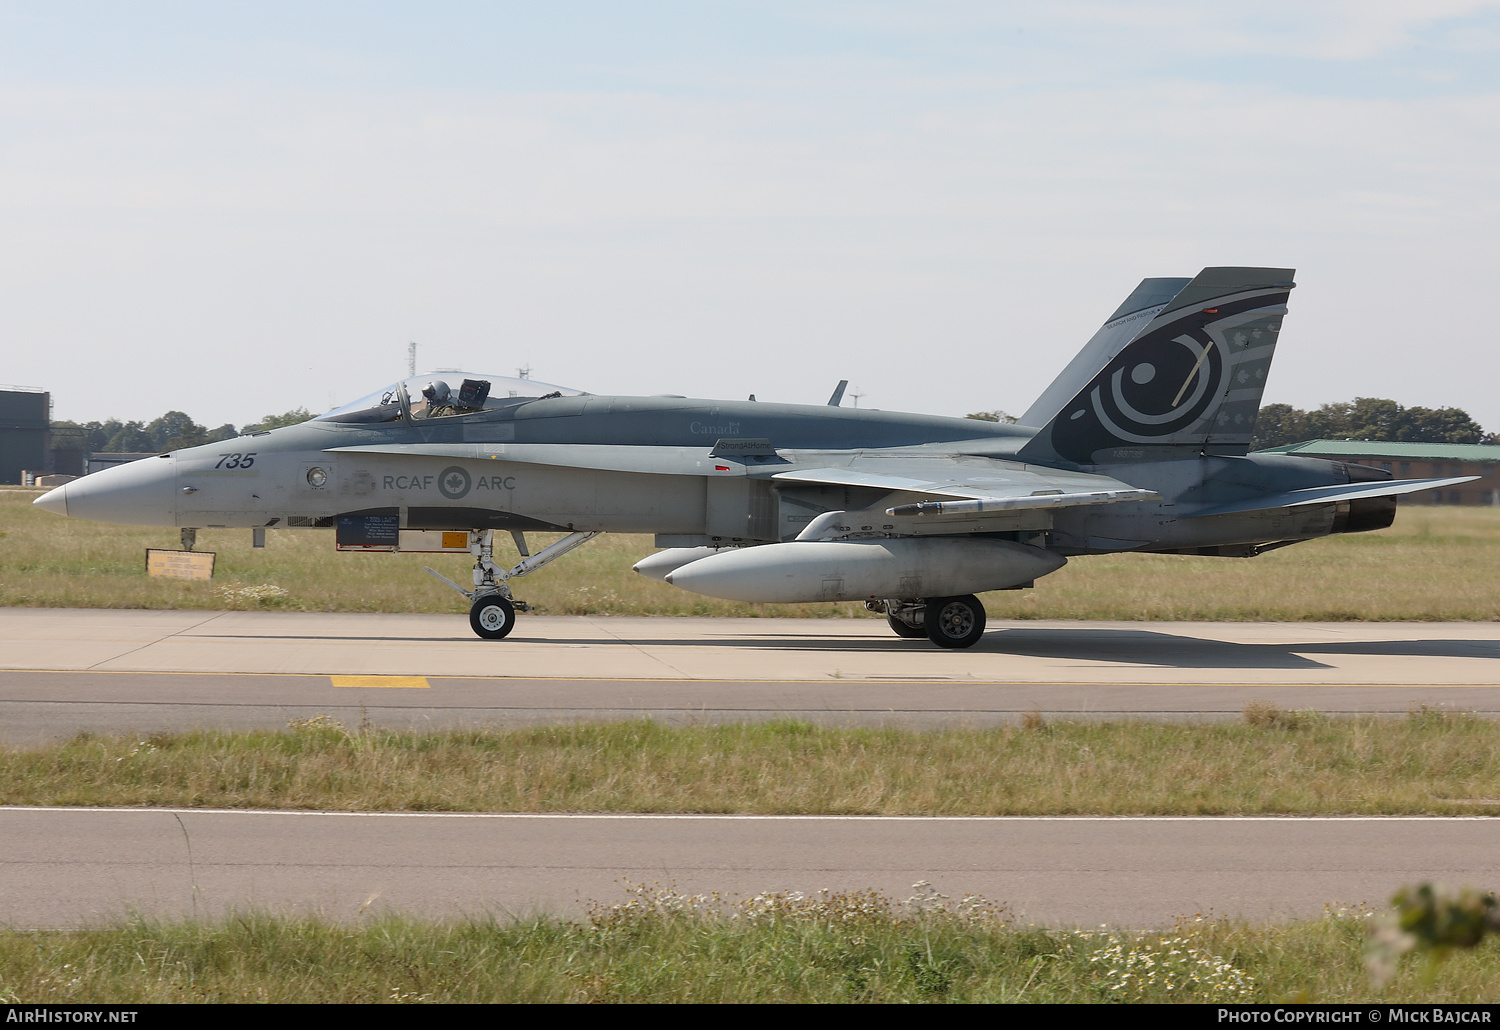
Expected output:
(170, 432)
(1364, 418)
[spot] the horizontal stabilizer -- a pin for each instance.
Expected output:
(1330, 494)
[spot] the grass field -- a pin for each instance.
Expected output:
(1435, 564)
(1275, 762)
(661, 947)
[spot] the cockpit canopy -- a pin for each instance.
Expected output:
(443, 395)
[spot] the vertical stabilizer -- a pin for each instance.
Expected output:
(1143, 304)
(1191, 378)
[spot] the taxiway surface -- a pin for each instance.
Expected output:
(62, 671)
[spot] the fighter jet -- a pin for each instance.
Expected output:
(1141, 444)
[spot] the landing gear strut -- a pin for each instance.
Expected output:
(904, 617)
(493, 613)
(902, 628)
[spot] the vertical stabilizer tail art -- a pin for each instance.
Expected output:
(1189, 381)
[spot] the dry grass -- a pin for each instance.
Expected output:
(1269, 714)
(1428, 763)
(664, 947)
(1435, 564)
(51, 562)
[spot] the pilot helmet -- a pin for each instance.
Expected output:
(437, 392)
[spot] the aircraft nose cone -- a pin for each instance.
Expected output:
(54, 500)
(140, 493)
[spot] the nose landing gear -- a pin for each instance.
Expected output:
(493, 612)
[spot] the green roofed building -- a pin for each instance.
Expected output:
(1416, 461)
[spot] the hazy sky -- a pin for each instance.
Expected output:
(234, 209)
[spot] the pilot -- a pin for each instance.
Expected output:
(439, 398)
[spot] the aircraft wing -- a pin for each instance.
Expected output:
(1329, 494)
(970, 487)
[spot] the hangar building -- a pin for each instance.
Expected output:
(25, 415)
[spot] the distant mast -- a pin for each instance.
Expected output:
(411, 358)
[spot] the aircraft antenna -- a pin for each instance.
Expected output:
(411, 358)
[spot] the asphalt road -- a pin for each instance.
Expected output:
(65, 867)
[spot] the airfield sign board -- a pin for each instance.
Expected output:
(179, 564)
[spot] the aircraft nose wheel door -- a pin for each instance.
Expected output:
(492, 617)
(954, 621)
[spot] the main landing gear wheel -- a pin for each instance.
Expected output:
(902, 628)
(954, 621)
(492, 617)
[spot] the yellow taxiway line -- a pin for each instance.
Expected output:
(419, 682)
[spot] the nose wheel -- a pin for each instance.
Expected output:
(492, 617)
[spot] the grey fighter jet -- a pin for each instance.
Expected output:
(1139, 445)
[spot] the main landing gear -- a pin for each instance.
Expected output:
(493, 612)
(946, 621)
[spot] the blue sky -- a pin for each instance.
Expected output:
(238, 208)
